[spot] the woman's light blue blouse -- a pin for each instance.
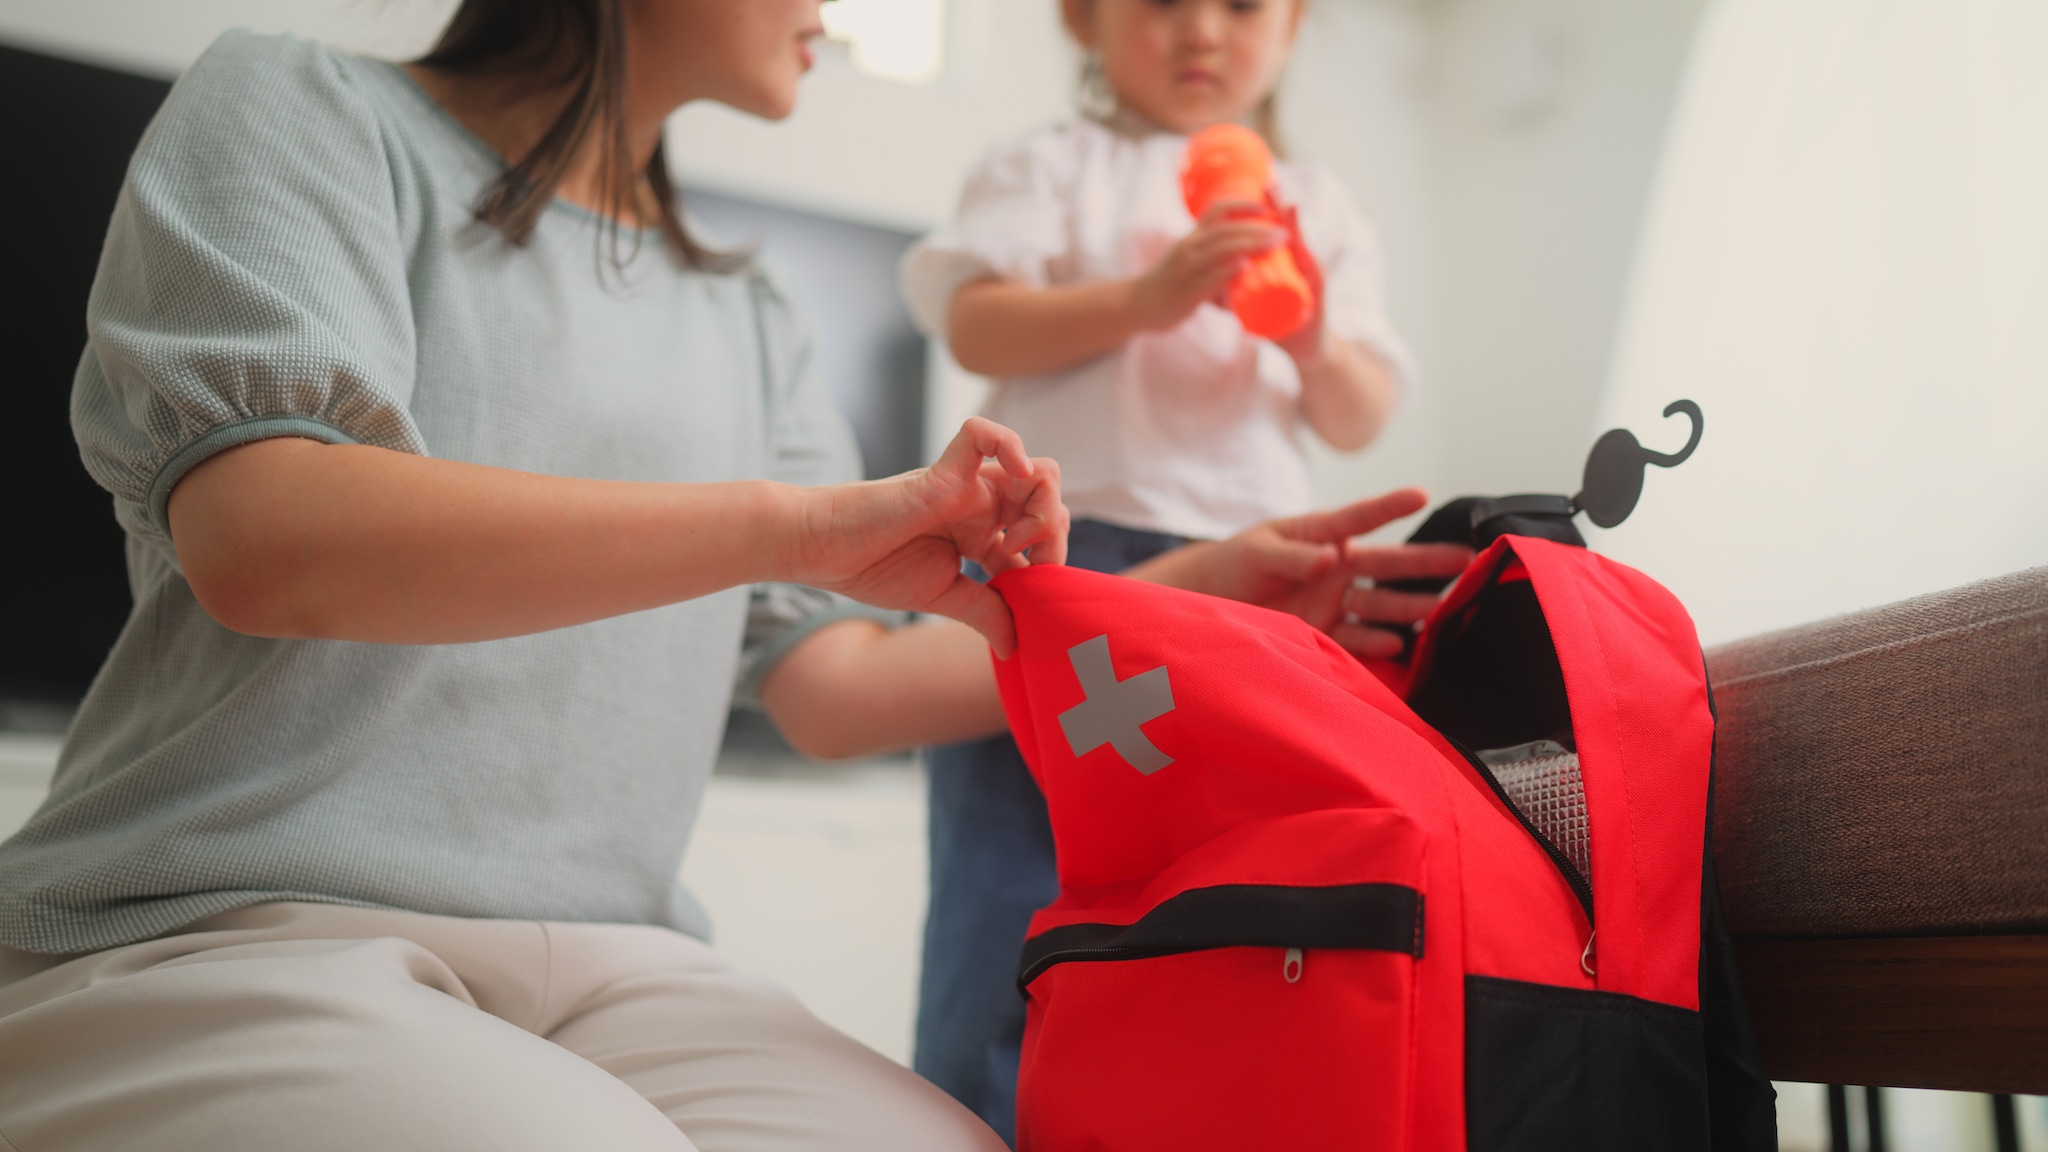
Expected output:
(294, 255)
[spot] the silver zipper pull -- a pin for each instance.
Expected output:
(1586, 957)
(1290, 969)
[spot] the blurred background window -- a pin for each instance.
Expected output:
(902, 40)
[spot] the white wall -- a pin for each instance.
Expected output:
(883, 152)
(1847, 266)
(1546, 118)
(1356, 99)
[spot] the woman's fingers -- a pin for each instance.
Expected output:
(973, 604)
(1387, 606)
(1296, 561)
(1409, 561)
(1028, 517)
(1365, 642)
(978, 440)
(1355, 519)
(1041, 519)
(1052, 547)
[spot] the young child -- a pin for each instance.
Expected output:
(1075, 278)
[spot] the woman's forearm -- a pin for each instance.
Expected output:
(1004, 329)
(1347, 393)
(857, 689)
(293, 538)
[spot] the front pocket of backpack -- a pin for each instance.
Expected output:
(1266, 1003)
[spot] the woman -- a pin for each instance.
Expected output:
(445, 482)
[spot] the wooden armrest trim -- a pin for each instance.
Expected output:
(1968, 1013)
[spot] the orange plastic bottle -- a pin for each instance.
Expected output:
(1230, 162)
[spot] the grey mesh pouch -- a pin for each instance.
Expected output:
(1541, 779)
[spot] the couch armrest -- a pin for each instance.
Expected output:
(1881, 834)
(1886, 773)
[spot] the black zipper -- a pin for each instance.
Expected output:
(1580, 886)
(1379, 917)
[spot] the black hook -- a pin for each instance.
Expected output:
(1614, 468)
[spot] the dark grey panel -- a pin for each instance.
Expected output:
(843, 276)
(63, 583)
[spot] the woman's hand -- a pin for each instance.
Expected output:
(1199, 267)
(898, 543)
(1307, 566)
(294, 539)
(855, 689)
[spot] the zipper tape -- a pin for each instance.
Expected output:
(1380, 917)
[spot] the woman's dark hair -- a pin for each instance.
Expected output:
(580, 46)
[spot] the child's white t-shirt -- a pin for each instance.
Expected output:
(1193, 430)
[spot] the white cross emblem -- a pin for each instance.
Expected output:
(1115, 708)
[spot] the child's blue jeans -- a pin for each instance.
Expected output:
(991, 868)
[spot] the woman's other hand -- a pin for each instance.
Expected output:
(898, 543)
(1308, 566)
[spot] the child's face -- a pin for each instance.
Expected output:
(1187, 64)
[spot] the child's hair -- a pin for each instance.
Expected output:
(1095, 99)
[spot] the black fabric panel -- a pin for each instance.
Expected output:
(1742, 1106)
(1494, 680)
(1382, 917)
(1564, 1069)
(1452, 523)
(67, 133)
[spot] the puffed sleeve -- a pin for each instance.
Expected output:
(1354, 277)
(810, 443)
(1012, 223)
(253, 280)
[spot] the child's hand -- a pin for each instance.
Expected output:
(1200, 267)
(898, 543)
(1304, 344)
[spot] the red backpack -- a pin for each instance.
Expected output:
(1463, 902)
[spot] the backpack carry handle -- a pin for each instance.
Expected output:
(1614, 468)
(1613, 483)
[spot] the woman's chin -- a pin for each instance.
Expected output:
(776, 103)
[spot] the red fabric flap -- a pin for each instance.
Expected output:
(1637, 683)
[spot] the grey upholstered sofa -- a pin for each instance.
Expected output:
(1881, 830)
